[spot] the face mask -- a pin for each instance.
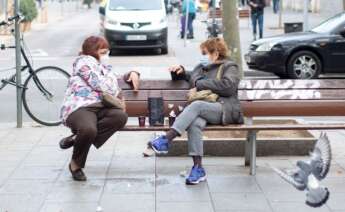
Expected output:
(104, 59)
(205, 60)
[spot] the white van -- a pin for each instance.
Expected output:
(136, 24)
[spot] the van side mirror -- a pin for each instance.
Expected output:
(102, 10)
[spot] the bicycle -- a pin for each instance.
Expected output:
(43, 90)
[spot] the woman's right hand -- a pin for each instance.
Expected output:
(177, 69)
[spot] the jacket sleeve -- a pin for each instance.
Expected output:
(191, 76)
(225, 87)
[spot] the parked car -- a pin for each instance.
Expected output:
(302, 55)
(132, 24)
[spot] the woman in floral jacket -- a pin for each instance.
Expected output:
(83, 112)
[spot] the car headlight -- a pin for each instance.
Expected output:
(265, 47)
(112, 22)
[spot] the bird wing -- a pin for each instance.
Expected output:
(322, 154)
(289, 179)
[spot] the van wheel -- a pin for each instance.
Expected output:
(304, 65)
(164, 50)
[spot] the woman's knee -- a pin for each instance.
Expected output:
(87, 132)
(119, 118)
(196, 105)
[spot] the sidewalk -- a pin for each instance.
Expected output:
(34, 173)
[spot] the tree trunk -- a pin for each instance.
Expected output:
(232, 31)
(344, 4)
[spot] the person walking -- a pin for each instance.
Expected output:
(218, 75)
(257, 13)
(190, 5)
(276, 6)
(91, 121)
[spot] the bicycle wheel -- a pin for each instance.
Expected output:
(44, 94)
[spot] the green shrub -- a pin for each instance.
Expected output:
(28, 9)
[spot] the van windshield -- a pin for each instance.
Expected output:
(119, 5)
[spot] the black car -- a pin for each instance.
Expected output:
(302, 55)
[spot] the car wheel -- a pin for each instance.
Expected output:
(304, 65)
(164, 50)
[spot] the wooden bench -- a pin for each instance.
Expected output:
(259, 98)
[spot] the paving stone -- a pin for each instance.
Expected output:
(129, 186)
(293, 207)
(128, 202)
(21, 202)
(71, 191)
(246, 184)
(173, 189)
(240, 201)
(184, 206)
(69, 207)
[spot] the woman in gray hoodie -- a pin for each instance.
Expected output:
(221, 76)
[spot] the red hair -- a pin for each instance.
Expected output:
(92, 44)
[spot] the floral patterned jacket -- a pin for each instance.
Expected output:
(89, 77)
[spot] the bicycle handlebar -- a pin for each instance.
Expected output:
(11, 19)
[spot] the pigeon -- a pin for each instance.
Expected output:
(308, 174)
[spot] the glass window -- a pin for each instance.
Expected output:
(135, 5)
(331, 24)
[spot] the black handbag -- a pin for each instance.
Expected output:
(156, 111)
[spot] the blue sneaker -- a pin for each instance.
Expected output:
(196, 176)
(160, 145)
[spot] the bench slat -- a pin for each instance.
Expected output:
(262, 108)
(244, 85)
(265, 127)
(181, 95)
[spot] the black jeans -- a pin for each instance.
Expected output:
(93, 125)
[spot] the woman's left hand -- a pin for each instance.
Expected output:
(134, 78)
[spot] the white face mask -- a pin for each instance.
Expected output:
(104, 59)
(205, 60)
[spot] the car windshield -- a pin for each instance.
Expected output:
(330, 24)
(135, 5)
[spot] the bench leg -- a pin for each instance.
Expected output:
(247, 146)
(247, 151)
(252, 144)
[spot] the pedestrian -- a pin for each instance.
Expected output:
(276, 6)
(91, 121)
(219, 77)
(257, 13)
(190, 5)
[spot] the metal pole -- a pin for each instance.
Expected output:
(186, 23)
(305, 14)
(18, 67)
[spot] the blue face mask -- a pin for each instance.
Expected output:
(205, 60)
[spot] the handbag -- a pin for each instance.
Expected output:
(107, 99)
(207, 95)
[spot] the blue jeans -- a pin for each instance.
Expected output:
(190, 28)
(275, 6)
(258, 18)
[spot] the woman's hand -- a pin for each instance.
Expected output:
(177, 69)
(134, 78)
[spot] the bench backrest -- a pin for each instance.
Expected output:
(258, 97)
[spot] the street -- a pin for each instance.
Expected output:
(59, 42)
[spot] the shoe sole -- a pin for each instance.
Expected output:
(202, 179)
(157, 151)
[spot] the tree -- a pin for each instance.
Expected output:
(344, 4)
(231, 30)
